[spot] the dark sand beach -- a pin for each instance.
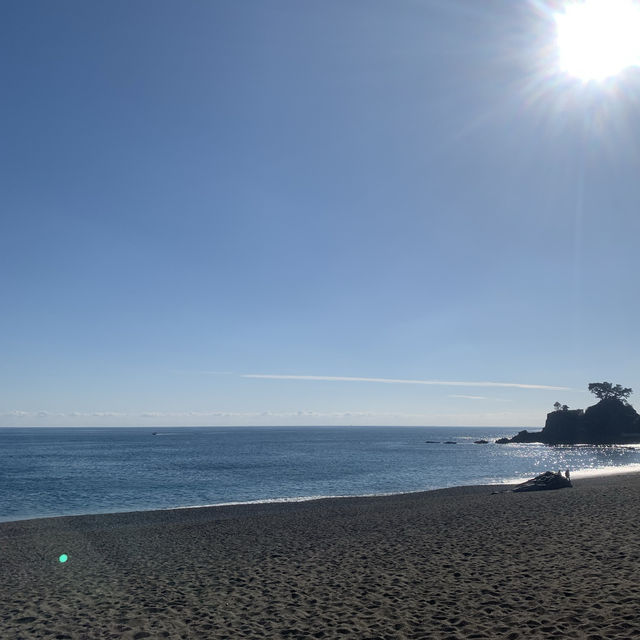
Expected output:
(455, 563)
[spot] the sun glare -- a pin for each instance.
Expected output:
(598, 39)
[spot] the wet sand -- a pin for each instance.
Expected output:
(456, 563)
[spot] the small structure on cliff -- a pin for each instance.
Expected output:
(611, 421)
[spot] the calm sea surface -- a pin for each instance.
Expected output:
(58, 471)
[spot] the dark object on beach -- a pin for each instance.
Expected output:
(449, 442)
(545, 481)
(480, 442)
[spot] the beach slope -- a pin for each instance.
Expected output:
(455, 563)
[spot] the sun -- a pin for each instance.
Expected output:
(598, 39)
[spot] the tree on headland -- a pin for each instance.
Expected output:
(560, 407)
(607, 391)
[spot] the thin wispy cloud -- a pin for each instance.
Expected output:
(443, 383)
(458, 395)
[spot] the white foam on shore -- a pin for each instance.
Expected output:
(577, 474)
(329, 497)
(287, 500)
(606, 471)
(326, 497)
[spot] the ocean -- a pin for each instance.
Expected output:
(72, 471)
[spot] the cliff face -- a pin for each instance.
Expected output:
(610, 421)
(563, 427)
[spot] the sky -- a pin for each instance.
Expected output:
(331, 212)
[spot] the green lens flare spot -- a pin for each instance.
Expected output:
(63, 558)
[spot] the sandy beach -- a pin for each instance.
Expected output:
(454, 563)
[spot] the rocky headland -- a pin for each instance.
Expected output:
(610, 421)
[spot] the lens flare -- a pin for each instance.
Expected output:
(598, 39)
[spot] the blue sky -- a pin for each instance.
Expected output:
(336, 197)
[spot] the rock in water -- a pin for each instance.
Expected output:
(545, 481)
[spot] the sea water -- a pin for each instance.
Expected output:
(69, 471)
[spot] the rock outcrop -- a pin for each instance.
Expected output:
(522, 436)
(610, 421)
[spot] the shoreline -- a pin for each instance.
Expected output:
(455, 563)
(245, 508)
(603, 472)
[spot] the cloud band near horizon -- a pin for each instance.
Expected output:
(443, 383)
